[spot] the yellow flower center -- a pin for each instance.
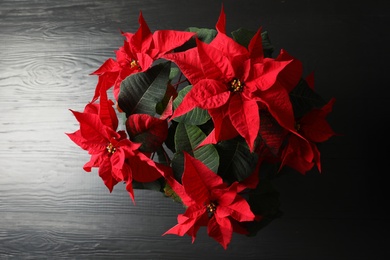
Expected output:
(211, 209)
(236, 85)
(134, 64)
(110, 148)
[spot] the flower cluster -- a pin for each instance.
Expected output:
(209, 120)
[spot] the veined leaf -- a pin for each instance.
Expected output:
(140, 92)
(209, 156)
(237, 162)
(187, 138)
(196, 116)
(204, 34)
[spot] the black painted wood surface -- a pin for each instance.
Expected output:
(51, 209)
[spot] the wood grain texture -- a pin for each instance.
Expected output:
(51, 209)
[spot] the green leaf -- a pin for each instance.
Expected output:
(173, 72)
(157, 185)
(196, 116)
(304, 99)
(140, 92)
(209, 156)
(169, 192)
(161, 156)
(268, 48)
(244, 36)
(178, 165)
(169, 93)
(204, 34)
(236, 160)
(170, 141)
(187, 138)
(264, 201)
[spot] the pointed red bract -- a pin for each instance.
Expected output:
(214, 204)
(314, 125)
(224, 72)
(310, 80)
(147, 130)
(117, 158)
(289, 77)
(301, 152)
(137, 54)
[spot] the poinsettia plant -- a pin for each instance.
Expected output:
(209, 120)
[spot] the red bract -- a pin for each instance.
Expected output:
(150, 131)
(233, 83)
(137, 54)
(301, 152)
(117, 158)
(210, 203)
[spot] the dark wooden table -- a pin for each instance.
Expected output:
(51, 209)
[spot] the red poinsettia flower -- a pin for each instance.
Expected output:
(117, 158)
(233, 83)
(210, 203)
(137, 55)
(301, 152)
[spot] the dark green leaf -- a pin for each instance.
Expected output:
(244, 36)
(268, 48)
(157, 185)
(169, 93)
(236, 160)
(187, 138)
(178, 165)
(141, 92)
(209, 156)
(161, 156)
(304, 99)
(204, 34)
(170, 141)
(173, 72)
(196, 116)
